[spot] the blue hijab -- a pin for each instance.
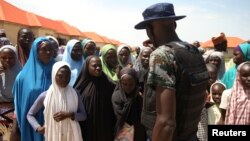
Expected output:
(230, 75)
(75, 66)
(34, 78)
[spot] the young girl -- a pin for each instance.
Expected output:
(127, 103)
(63, 108)
(239, 107)
(214, 114)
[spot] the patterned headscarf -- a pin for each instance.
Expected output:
(239, 106)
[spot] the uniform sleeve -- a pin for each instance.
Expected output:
(161, 69)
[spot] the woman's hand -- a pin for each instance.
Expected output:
(63, 115)
(41, 130)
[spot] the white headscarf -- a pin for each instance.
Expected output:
(53, 38)
(60, 99)
(216, 82)
(7, 77)
(221, 69)
(130, 57)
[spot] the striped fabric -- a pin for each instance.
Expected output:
(238, 112)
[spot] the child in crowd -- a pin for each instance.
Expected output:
(239, 107)
(214, 114)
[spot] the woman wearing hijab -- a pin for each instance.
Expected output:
(34, 78)
(127, 103)
(9, 68)
(89, 48)
(125, 58)
(63, 108)
(217, 58)
(141, 66)
(96, 91)
(109, 62)
(241, 54)
(55, 44)
(73, 56)
(213, 111)
(239, 107)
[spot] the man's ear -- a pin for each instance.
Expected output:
(150, 32)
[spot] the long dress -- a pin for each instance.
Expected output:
(96, 93)
(75, 65)
(34, 78)
(128, 107)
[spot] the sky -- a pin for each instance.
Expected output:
(116, 19)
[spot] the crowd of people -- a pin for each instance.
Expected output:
(168, 89)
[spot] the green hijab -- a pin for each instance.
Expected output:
(111, 73)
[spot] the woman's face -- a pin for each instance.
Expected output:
(111, 58)
(89, 49)
(128, 83)
(217, 91)
(238, 57)
(76, 53)
(45, 52)
(7, 58)
(123, 55)
(215, 60)
(95, 67)
(145, 58)
(245, 75)
(63, 76)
